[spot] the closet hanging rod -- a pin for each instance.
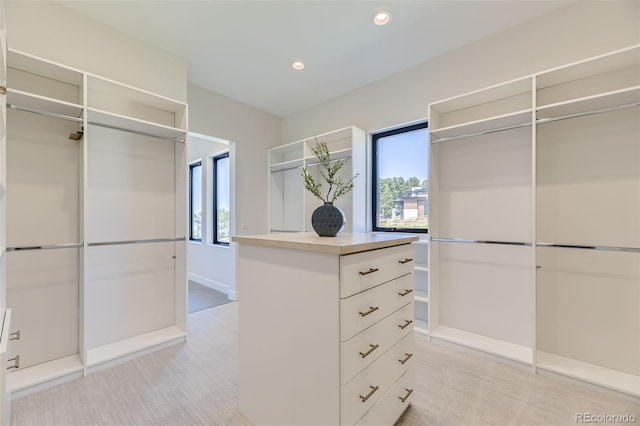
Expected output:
(45, 113)
(284, 231)
(484, 132)
(45, 247)
(460, 240)
(585, 113)
(285, 169)
(154, 240)
(124, 129)
(601, 248)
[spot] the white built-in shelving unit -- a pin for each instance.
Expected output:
(421, 286)
(535, 238)
(290, 205)
(96, 220)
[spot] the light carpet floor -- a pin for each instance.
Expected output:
(195, 383)
(202, 297)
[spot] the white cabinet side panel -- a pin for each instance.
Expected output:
(486, 289)
(42, 289)
(484, 187)
(42, 181)
(588, 306)
(129, 290)
(130, 186)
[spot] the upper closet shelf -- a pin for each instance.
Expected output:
(590, 104)
(479, 127)
(32, 65)
(121, 122)
(285, 165)
(37, 103)
(335, 155)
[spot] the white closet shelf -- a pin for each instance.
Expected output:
(43, 103)
(285, 165)
(607, 377)
(28, 63)
(421, 268)
(421, 327)
(421, 296)
(134, 344)
(484, 96)
(490, 345)
(590, 103)
(473, 128)
(335, 155)
(620, 59)
(109, 119)
(41, 373)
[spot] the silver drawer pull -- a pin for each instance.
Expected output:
(16, 335)
(402, 361)
(370, 271)
(409, 392)
(407, 291)
(406, 324)
(16, 362)
(407, 260)
(371, 392)
(371, 310)
(373, 348)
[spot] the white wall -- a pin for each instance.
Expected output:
(208, 264)
(576, 32)
(251, 132)
(54, 32)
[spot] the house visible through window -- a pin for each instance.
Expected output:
(221, 208)
(195, 201)
(401, 179)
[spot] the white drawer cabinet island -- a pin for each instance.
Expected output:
(326, 328)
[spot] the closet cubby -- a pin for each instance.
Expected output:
(535, 238)
(290, 205)
(96, 221)
(421, 286)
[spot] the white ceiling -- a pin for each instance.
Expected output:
(243, 49)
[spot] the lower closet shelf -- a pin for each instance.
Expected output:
(106, 353)
(41, 373)
(603, 376)
(490, 345)
(421, 327)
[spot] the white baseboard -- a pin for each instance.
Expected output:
(210, 283)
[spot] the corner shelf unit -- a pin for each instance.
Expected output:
(290, 205)
(421, 286)
(83, 305)
(522, 263)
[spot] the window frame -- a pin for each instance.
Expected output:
(191, 167)
(375, 137)
(215, 160)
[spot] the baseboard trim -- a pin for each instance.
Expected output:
(216, 285)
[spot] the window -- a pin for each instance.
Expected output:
(195, 201)
(401, 179)
(221, 208)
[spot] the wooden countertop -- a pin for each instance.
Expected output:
(342, 244)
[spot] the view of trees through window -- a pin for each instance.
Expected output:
(401, 185)
(221, 199)
(195, 201)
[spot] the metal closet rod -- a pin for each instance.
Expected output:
(45, 113)
(285, 169)
(284, 231)
(124, 129)
(465, 241)
(45, 247)
(591, 112)
(309, 164)
(601, 248)
(154, 240)
(484, 132)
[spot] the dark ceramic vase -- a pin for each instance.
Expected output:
(328, 220)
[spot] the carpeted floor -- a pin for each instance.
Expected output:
(195, 383)
(203, 297)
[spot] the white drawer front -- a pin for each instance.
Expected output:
(391, 406)
(361, 393)
(364, 309)
(364, 348)
(361, 271)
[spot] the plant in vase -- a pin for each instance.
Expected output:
(327, 220)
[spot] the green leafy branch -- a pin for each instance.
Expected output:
(330, 173)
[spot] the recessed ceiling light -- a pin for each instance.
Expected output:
(297, 65)
(382, 17)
